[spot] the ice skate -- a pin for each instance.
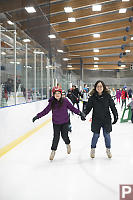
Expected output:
(92, 153)
(108, 153)
(68, 148)
(52, 155)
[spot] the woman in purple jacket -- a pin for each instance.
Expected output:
(60, 119)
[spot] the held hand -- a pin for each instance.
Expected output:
(115, 119)
(34, 118)
(82, 115)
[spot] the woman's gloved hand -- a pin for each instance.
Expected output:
(82, 115)
(34, 118)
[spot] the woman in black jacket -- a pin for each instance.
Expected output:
(101, 101)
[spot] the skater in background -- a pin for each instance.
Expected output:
(124, 96)
(76, 94)
(60, 118)
(113, 93)
(100, 101)
(130, 92)
(69, 122)
(85, 96)
(118, 95)
(131, 105)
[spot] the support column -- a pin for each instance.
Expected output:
(35, 76)
(81, 69)
(26, 61)
(15, 59)
(42, 75)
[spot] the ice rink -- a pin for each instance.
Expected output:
(27, 174)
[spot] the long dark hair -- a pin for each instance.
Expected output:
(105, 90)
(60, 102)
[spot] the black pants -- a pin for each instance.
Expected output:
(77, 104)
(63, 128)
(84, 106)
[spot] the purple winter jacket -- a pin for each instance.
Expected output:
(59, 115)
(118, 94)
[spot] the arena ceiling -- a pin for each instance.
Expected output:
(113, 30)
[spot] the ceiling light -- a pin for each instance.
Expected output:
(96, 35)
(30, 9)
(68, 9)
(96, 50)
(52, 36)
(66, 59)
(59, 50)
(71, 19)
(125, 0)
(128, 51)
(9, 22)
(38, 52)
(12, 62)
(95, 65)
(3, 53)
(131, 38)
(96, 8)
(26, 40)
(123, 65)
(122, 10)
(96, 58)
(69, 66)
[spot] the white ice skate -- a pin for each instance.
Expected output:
(68, 148)
(108, 153)
(52, 155)
(92, 153)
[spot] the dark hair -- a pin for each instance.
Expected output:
(104, 87)
(60, 102)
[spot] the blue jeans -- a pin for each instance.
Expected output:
(106, 138)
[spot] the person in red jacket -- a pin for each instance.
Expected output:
(124, 96)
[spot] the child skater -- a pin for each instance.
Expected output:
(59, 107)
(101, 102)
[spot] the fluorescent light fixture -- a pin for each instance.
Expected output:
(3, 53)
(26, 40)
(68, 9)
(123, 65)
(96, 35)
(96, 50)
(66, 59)
(96, 8)
(127, 51)
(9, 22)
(71, 19)
(59, 50)
(95, 65)
(30, 9)
(96, 58)
(125, 0)
(38, 52)
(12, 62)
(131, 38)
(52, 36)
(122, 10)
(69, 66)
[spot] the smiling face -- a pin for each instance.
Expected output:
(57, 95)
(99, 88)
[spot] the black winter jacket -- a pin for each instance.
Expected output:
(101, 116)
